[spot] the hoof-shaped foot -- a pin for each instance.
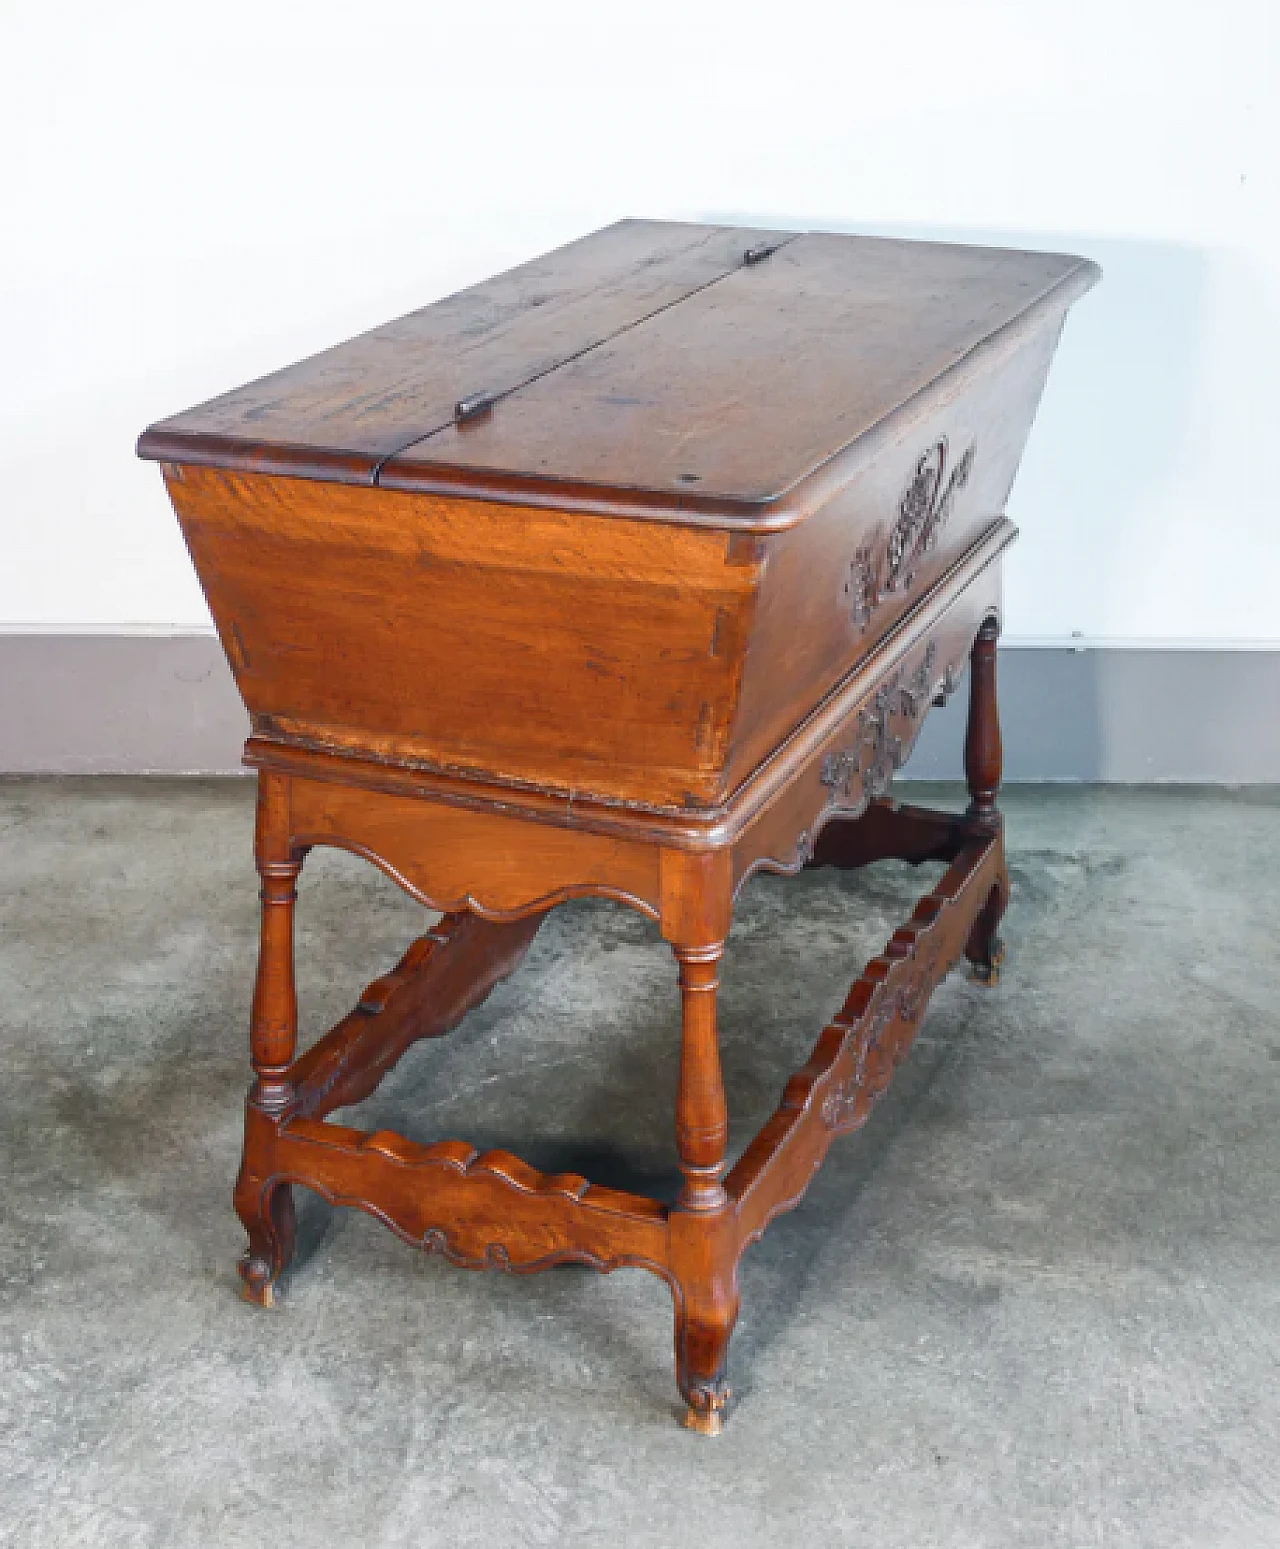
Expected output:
(257, 1283)
(706, 1411)
(988, 972)
(268, 1218)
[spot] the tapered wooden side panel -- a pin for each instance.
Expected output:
(572, 652)
(837, 582)
(452, 859)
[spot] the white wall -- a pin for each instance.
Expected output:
(194, 195)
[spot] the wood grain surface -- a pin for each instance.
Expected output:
(649, 364)
(753, 383)
(340, 414)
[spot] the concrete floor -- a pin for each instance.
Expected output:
(1035, 1302)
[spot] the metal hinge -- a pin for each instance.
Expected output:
(757, 254)
(473, 407)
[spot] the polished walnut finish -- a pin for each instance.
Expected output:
(627, 574)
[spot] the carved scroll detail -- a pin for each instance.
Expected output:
(923, 512)
(862, 587)
(856, 774)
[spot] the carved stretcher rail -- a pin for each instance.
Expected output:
(480, 1211)
(484, 1210)
(888, 830)
(442, 976)
(855, 1055)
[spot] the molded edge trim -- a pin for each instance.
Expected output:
(238, 455)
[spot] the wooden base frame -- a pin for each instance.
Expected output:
(496, 872)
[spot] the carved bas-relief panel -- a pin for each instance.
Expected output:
(889, 564)
(863, 769)
(884, 731)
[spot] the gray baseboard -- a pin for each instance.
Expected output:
(1124, 715)
(118, 704)
(111, 703)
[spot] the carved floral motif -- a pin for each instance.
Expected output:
(924, 509)
(862, 587)
(923, 512)
(865, 768)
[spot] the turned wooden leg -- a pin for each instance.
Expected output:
(266, 1208)
(703, 1241)
(983, 758)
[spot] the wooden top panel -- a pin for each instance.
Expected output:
(337, 415)
(755, 382)
(649, 364)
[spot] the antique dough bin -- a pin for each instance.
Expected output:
(626, 573)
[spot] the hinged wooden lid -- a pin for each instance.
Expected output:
(700, 372)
